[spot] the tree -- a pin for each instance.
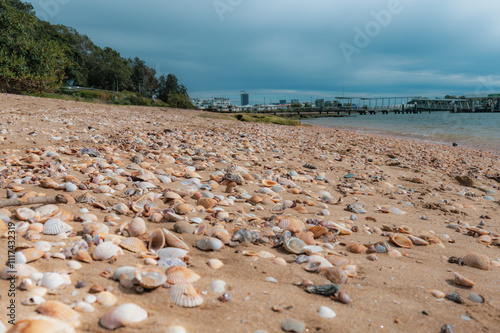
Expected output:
(170, 92)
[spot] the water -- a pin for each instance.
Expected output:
(475, 130)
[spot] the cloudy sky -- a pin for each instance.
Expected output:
(283, 49)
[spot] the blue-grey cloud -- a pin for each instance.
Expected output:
(283, 49)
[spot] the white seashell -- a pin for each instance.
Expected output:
(91, 299)
(82, 306)
(70, 187)
(184, 294)
(172, 252)
(52, 280)
(73, 264)
(43, 245)
(47, 211)
(55, 226)
(294, 245)
(106, 250)
(218, 286)
(210, 244)
(127, 270)
(36, 276)
(106, 298)
(42, 324)
(25, 213)
(33, 300)
(123, 315)
(326, 312)
(316, 262)
(175, 329)
(312, 249)
(37, 291)
(19, 271)
(215, 263)
(121, 208)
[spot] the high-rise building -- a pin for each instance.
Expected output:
(294, 101)
(244, 98)
(319, 103)
(282, 101)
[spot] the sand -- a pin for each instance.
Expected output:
(391, 294)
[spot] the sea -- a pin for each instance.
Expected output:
(472, 130)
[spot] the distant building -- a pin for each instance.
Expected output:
(319, 103)
(294, 101)
(282, 101)
(244, 99)
(212, 103)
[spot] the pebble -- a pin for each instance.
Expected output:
(293, 325)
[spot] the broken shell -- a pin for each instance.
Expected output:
(150, 278)
(123, 315)
(185, 295)
(174, 241)
(106, 250)
(60, 311)
(401, 241)
(463, 281)
(34, 300)
(438, 294)
(337, 260)
(290, 223)
(210, 244)
(294, 245)
(177, 274)
(316, 263)
(25, 213)
(417, 240)
(335, 275)
(215, 263)
(92, 228)
(133, 244)
(476, 260)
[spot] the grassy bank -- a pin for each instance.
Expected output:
(268, 119)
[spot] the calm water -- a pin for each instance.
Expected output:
(476, 130)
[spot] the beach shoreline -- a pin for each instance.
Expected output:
(436, 186)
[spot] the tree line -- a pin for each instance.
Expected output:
(36, 57)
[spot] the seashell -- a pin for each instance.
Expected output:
(86, 217)
(134, 245)
(215, 263)
(342, 297)
(150, 278)
(301, 209)
(42, 324)
(218, 286)
(357, 248)
(341, 229)
(106, 250)
(137, 227)
(121, 208)
(92, 228)
(318, 230)
(61, 311)
(43, 246)
(156, 240)
(335, 275)
(476, 260)
(123, 315)
(475, 298)
(33, 300)
(316, 263)
(172, 217)
(268, 183)
(417, 240)
(325, 290)
(184, 208)
(170, 195)
(455, 297)
(210, 244)
(234, 177)
(52, 280)
(75, 265)
(206, 202)
(245, 235)
(185, 295)
(401, 241)
(484, 239)
(128, 271)
(438, 294)
(290, 223)
(28, 255)
(82, 306)
(25, 213)
(337, 260)
(463, 281)
(294, 245)
(177, 274)
(173, 241)
(82, 255)
(184, 227)
(55, 226)
(394, 253)
(172, 252)
(19, 271)
(279, 261)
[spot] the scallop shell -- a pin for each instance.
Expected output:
(294, 245)
(318, 230)
(28, 255)
(45, 212)
(401, 241)
(206, 202)
(55, 226)
(150, 278)
(476, 260)
(137, 227)
(156, 240)
(92, 228)
(210, 244)
(133, 244)
(290, 223)
(106, 250)
(42, 324)
(357, 248)
(173, 241)
(185, 295)
(61, 311)
(463, 281)
(172, 252)
(177, 274)
(123, 315)
(25, 213)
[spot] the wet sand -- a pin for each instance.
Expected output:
(391, 294)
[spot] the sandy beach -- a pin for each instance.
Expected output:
(359, 188)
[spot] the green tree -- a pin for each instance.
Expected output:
(170, 92)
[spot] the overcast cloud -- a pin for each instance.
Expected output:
(283, 49)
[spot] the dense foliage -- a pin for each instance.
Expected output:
(36, 56)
